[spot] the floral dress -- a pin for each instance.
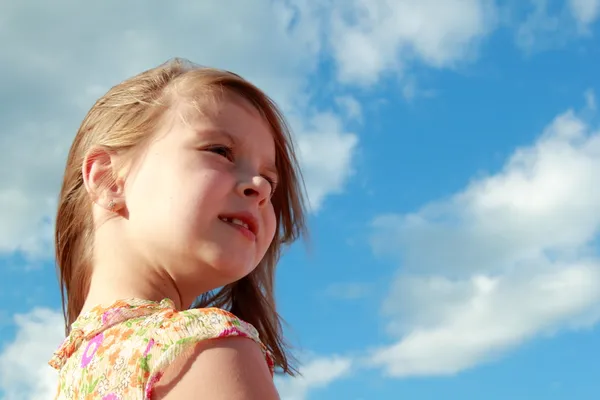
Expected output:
(121, 352)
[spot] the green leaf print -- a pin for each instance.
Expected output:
(142, 332)
(185, 340)
(144, 363)
(93, 386)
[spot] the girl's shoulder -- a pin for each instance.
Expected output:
(131, 343)
(180, 330)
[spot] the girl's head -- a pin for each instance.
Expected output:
(187, 173)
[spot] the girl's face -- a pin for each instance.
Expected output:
(199, 200)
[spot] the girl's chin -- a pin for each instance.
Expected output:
(233, 269)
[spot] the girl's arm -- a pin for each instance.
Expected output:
(232, 368)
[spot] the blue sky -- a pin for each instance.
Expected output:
(451, 152)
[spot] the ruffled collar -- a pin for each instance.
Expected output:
(100, 318)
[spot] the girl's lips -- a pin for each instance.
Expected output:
(242, 229)
(243, 219)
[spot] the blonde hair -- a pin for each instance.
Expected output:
(123, 120)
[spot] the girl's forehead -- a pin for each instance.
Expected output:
(237, 117)
(207, 106)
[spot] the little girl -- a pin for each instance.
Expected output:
(181, 182)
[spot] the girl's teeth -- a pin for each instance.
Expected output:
(239, 222)
(236, 222)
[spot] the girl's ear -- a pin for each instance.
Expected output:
(100, 178)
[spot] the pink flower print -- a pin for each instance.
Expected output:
(150, 344)
(108, 315)
(91, 349)
(151, 383)
(232, 331)
(111, 396)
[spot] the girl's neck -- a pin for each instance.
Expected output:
(110, 283)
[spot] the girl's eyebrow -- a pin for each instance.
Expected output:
(217, 132)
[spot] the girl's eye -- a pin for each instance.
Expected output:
(273, 184)
(223, 151)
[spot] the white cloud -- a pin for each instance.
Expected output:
(323, 138)
(462, 323)
(590, 100)
(585, 11)
(510, 257)
(24, 370)
(546, 26)
(374, 37)
(350, 107)
(33, 154)
(318, 373)
(539, 27)
(51, 76)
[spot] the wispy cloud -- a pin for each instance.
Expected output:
(586, 12)
(545, 26)
(24, 369)
(316, 374)
(371, 39)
